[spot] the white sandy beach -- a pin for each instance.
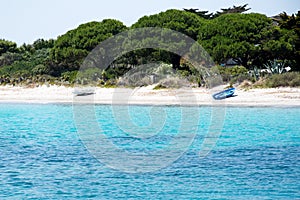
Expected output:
(278, 97)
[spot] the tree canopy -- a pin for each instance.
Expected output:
(7, 46)
(71, 48)
(234, 9)
(177, 20)
(292, 24)
(251, 40)
(207, 15)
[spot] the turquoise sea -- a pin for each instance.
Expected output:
(43, 157)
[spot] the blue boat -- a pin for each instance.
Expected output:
(224, 94)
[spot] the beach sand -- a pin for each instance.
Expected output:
(275, 97)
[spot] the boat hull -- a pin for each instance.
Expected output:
(224, 94)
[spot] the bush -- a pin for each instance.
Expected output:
(69, 76)
(240, 78)
(232, 74)
(40, 69)
(289, 79)
(172, 82)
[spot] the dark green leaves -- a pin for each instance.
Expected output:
(71, 48)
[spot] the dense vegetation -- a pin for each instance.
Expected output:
(251, 41)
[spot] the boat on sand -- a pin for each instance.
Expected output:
(224, 94)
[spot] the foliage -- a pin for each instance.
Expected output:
(278, 44)
(90, 74)
(177, 20)
(7, 46)
(71, 48)
(275, 66)
(255, 73)
(232, 74)
(172, 82)
(40, 69)
(203, 14)
(43, 44)
(9, 58)
(8, 52)
(233, 71)
(235, 9)
(181, 21)
(69, 76)
(289, 79)
(207, 15)
(249, 39)
(26, 62)
(292, 24)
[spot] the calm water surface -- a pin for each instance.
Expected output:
(256, 157)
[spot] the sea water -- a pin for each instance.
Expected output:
(255, 156)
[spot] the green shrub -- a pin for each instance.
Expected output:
(40, 69)
(232, 74)
(289, 79)
(69, 76)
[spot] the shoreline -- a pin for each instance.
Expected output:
(271, 97)
(152, 105)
